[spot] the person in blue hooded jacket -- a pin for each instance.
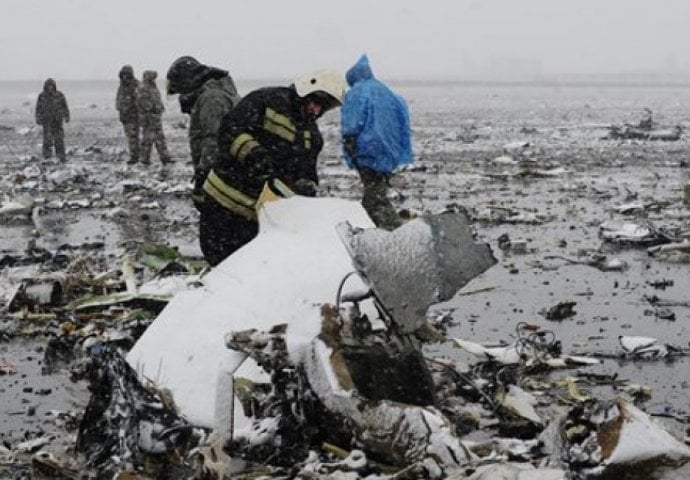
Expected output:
(375, 124)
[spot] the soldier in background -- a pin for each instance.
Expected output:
(127, 107)
(51, 111)
(206, 94)
(150, 108)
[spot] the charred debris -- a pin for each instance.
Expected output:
(646, 129)
(365, 399)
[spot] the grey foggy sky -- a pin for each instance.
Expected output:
(279, 39)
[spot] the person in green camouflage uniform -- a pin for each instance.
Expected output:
(51, 111)
(150, 108)
(206, 94)
(126, 104)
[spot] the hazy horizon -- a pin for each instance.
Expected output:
(463, 40)
(661, 79)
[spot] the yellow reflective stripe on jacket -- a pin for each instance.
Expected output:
(229, 191)
(279, 187)
(280, 125)
(242, 146)
(307, 139)
(229, 197)
(249, 213)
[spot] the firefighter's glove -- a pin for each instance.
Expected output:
(304, 187)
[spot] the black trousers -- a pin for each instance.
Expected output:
(53, 135)
(222, 232)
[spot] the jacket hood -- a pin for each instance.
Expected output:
(126, 72)
(359, 71)
(186, 74)
(49, 83)
(187, 100)
(150, 76)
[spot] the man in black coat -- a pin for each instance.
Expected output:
(51, 111)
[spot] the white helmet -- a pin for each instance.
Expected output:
(327, 81)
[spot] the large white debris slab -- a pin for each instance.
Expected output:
(295, 264)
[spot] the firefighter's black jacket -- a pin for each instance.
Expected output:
(267, 136)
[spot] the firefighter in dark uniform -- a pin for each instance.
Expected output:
(270, 138)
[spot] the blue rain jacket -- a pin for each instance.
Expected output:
(378, 118)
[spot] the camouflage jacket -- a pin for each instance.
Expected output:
(126, 102)
(51, 107)
(149, 103)
(216, 97)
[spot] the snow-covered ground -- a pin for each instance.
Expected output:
(526, 161)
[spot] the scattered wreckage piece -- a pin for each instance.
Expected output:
(526, 171)
(639, 207)
(18, 208)
(645, 129)
(631, 132)
(67, 276)
(661, 302)
(392, 409)
(676, 247)
(46, 464)
(544, 173)
(165, 260)
(643, 348)
(126, 424)
(600, 262)
(149, 301)
(494, 214)
(560, 311)
(423, 262)
(375, 395)
(536, 348)
(209, 459)
(504, 160)
(611, 438)
(519, 402)
(511, 471)
(633, 234)
(504, 448)
(661, 284)
(512, 245)
(43, 291)
(373, 388)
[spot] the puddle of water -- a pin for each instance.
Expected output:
(75, 227)
(29, 398)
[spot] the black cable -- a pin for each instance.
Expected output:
(340, 289)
